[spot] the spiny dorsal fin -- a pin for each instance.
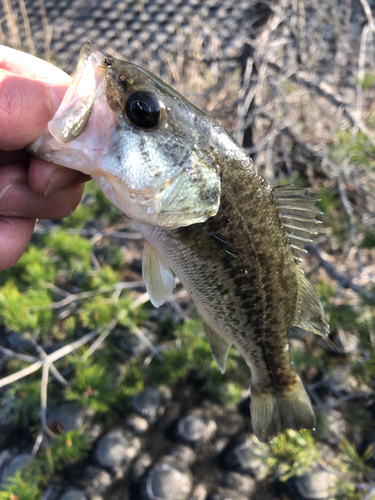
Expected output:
(309, 313)
(158, 277)
(219, 346)
(298, 214)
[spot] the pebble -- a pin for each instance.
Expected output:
(68, 416)
(168, 479)
(316, 485)
(183, 453)
(13, 466)
(249, 456)
(334, 429)
(116, 449)
(195, 428)
(239, 482)
(96, 480)
(73, 494)
(148, 403)
(140, 466)
(137, 424)
(227, 494)
(199, 493)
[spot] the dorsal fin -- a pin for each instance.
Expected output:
(298, 214)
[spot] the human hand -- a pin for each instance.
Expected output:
(30, 188)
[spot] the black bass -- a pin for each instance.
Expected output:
(208, 217)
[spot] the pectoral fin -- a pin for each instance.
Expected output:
(309, 313)
(219, 346)
(157, 275)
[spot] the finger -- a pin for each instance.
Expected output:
(15, 192)
(27, 65)
(46, 178)
(26, 106)
(57, 206)
(15, 235)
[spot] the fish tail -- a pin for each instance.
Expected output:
(276, 410)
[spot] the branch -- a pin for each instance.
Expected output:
(73, 297)
(51, 358)
(329, 96)
(100, 339)
(343, 281)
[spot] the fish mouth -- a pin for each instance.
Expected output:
(88, 84)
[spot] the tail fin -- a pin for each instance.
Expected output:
(273, 412)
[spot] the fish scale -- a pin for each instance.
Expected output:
(207, 215)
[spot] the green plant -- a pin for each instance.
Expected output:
(294, 453)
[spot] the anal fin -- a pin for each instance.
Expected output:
(157, 275)
(219, 346)
(309, 313)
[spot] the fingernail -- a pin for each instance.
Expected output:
(57, 181)
(57, 95)
(17, 197)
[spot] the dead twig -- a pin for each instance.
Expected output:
(332, 272)
(73, 297)
(51, 358)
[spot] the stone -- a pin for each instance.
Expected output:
(137, 424)
(195, 428)
(68, 417)
(248, 456)
(199, 493)
(140, 466)
(116, 449)
(73, 494)
(13, 466)
(227, 494)
(96, 480)
(316, 485)
(168, 479)
(183, 453)
(239, 482)
(148, 403)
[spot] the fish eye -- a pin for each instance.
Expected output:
(143, 109)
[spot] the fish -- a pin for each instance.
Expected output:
(207, 216)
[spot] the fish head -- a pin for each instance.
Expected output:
(146, 146)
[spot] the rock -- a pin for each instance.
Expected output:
(139, 467)
(5, 456)
(199, 493)
(249, 456)
(73, 494)
(316, 485)
(137, 424)
(168, 479)
(334, 428)
(220, 445)
(54, 488)
(13, 466)
(68, 417)
(239, 482)
(227, 494)
(195, 428)
(19, 342)
(96, 480)
(148, 403)
(347, 342)
(116, 449)
(183, 453)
